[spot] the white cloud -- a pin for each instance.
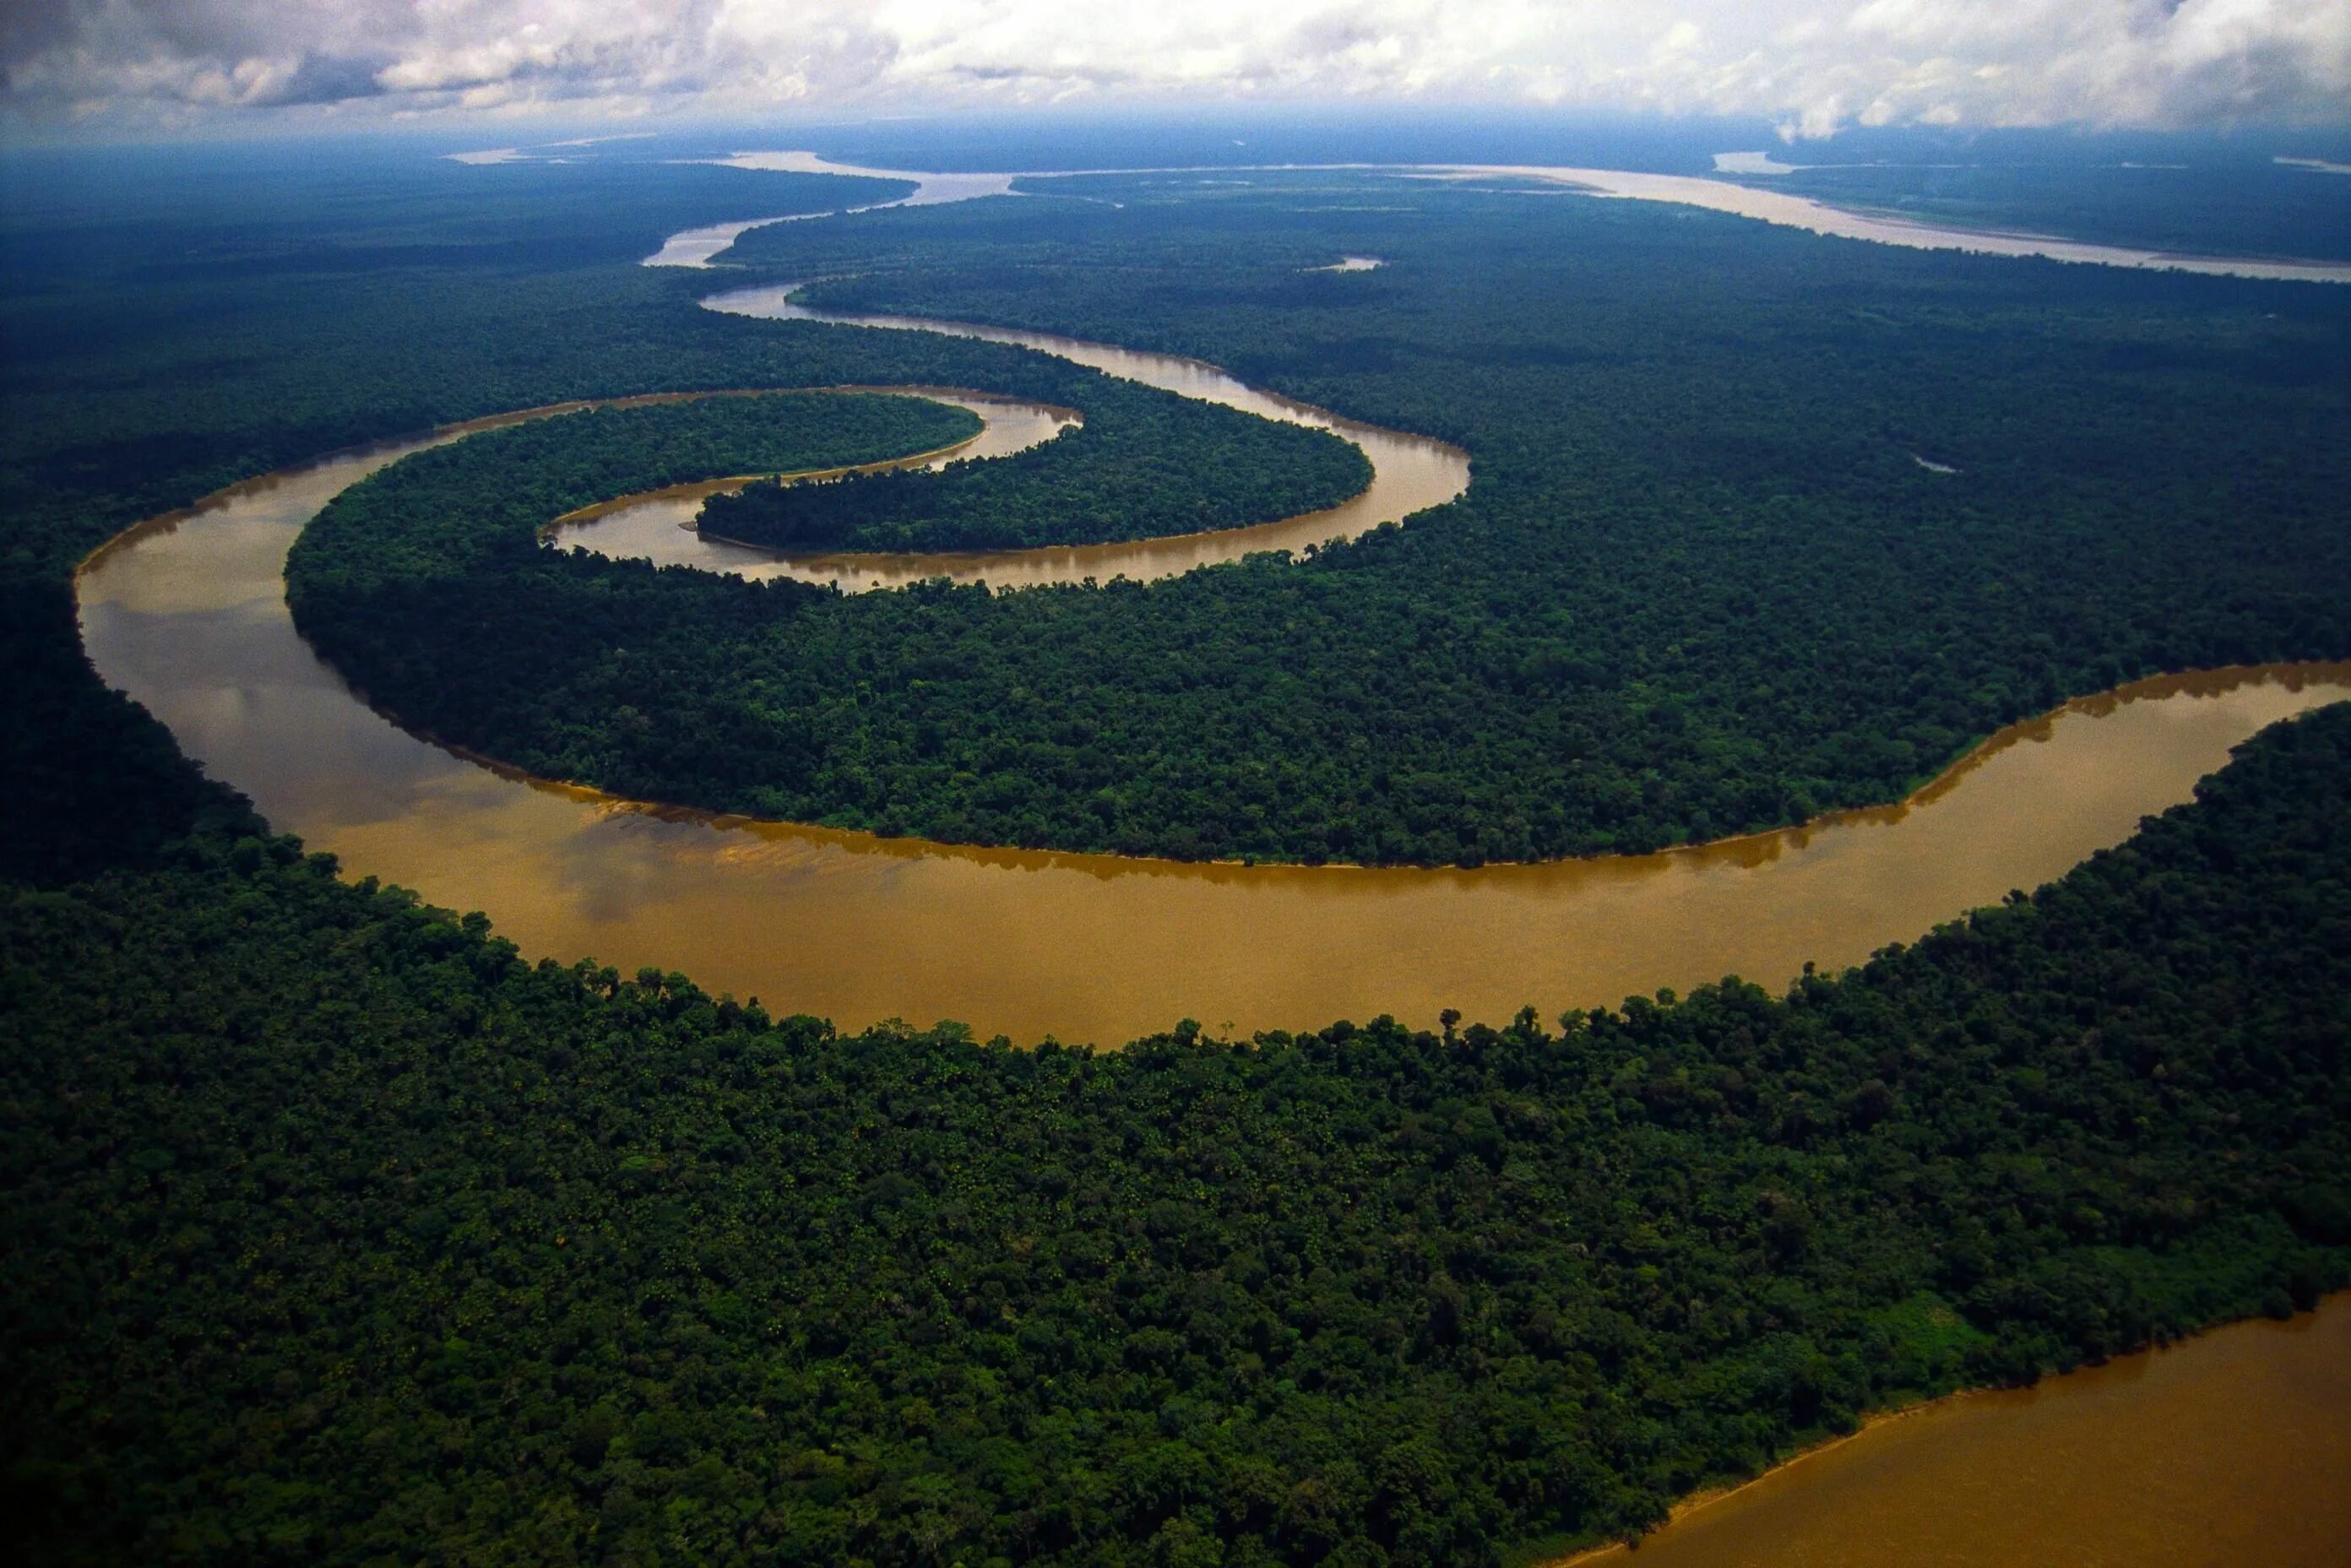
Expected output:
(1813, 65)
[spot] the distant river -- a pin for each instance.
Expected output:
(695, 247)
(1792, 210)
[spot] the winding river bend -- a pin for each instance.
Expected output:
(187, 614)
(189, 617)
(1409, 472)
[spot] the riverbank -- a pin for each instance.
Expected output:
(191, 620)
(2254, 1416)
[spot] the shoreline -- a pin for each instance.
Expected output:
(1696, 1504)
(911, 846)
(575, 876)
(2290, 671)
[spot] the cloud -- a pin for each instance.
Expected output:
(1811, 64)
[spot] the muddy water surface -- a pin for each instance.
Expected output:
(2226, 1451)
(1409, 472)
(659, 525)
(191, 620)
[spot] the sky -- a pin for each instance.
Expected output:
(1811, 67)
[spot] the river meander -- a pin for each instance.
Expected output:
(1409, 472)
(189, 617)
(2230, 1449)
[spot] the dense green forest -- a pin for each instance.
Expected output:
(335, 1232)
(436, 519)
(1146, 465)
(357, 1237)
(1660, 614)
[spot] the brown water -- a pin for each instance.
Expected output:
(658, 526)
(190, 619)
(2226, 1451)
(1409, 472)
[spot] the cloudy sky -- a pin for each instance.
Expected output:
(1811, 64)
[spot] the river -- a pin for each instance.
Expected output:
(189, 617)
(695, 247)
(2230, 1449)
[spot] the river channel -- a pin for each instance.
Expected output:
(2226, 1450)
(2230, 1449)
(189, 617)
(695, 247)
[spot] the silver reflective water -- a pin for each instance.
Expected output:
(1820, 218)
(694, 247)
(1717, 195)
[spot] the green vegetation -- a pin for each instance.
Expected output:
(1146, 465)
(1659, 615)
(338, 1232)
(334, 1232)
(436, 522)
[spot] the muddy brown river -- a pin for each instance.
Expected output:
(2230, 1449)
(189, 617)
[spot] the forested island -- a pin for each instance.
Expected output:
(338, 1231)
